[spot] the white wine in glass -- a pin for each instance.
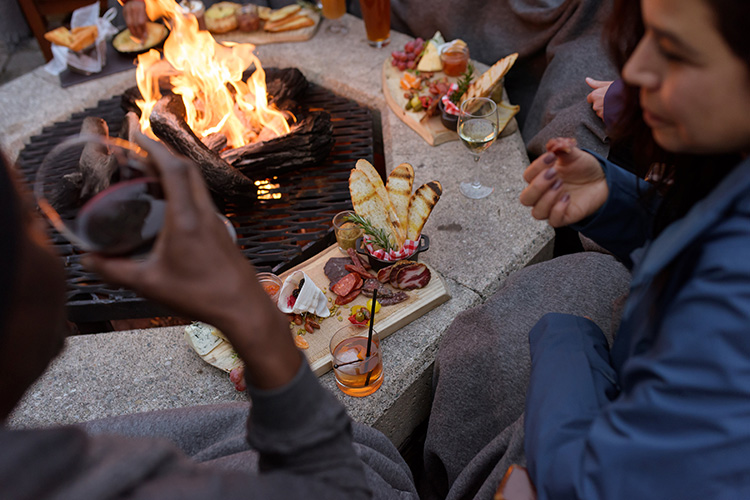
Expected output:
(477, 129)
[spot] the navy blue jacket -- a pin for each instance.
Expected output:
(666, 413)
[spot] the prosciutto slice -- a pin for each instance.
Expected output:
(411, 277)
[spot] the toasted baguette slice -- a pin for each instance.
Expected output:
(368, 204)
(60, 36)
(284, 12)
(289, 23)
(421, 204)
(83, 37)
(399, 187)
(264, 12)
(377, 182)
(485, 84)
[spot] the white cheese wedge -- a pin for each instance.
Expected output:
(310, 299)
(430, 59)
(202, 337)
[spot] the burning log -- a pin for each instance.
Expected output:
(285, 86)
(130, 125)
(308, 143)
(168, 124)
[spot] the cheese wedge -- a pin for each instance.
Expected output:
(202, 337)
(430, 59)
(372, 174)
(421, 204)
(399, 186)
(485, 84)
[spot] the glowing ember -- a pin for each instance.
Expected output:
(208, 76)
(265, 190)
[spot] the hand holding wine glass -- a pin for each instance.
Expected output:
(477, 129)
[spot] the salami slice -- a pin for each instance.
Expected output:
(345, 299)
(345, 285)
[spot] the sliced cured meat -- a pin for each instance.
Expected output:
(393, 298)
(360, 271)
(365, 261)
(384, 275)
(355, 261)
(372, 285)
(335, 268)
(402, 264)
(345, 299)
(411, 277)
(345, 285)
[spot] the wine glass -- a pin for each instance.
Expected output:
(101, 194)
(477, 129)
(334, 10)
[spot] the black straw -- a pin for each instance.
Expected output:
(369, 335)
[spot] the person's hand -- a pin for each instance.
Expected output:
(134, 12)
(596, 96)
(566, 184)
(196, 269)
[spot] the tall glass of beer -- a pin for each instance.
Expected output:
(377, 17)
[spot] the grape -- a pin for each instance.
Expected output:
(401, 65)
(411, 64)
(409, 46)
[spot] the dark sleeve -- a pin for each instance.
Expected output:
(614, 103)
(679, 427)
(623, 224)
(301, 432)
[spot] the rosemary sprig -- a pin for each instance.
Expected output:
(382, 238)
(463, 84)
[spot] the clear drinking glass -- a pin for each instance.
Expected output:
(334, 10)
(477, 129)
(357, 374)
(101, 194)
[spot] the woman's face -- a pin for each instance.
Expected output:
(694, 91)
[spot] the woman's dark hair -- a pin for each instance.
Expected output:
(688, 178)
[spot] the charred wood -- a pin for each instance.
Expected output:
(308, 143)
(168, 124)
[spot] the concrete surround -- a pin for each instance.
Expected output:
(475, 245)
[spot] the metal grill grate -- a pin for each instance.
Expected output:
(275, 234)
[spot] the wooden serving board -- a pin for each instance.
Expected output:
(262, 37)
(431, 129)
(388, 320)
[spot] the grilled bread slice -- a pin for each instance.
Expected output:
(421, 204)
(289, 23)
(284, 12)
(399, 186)
(372, 174)
(368, 204)
(485, 84)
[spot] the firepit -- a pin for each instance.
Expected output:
(289, 222)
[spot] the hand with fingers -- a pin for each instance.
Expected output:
(134, 12)
(596, 96)
(196, 269)
(565, 185)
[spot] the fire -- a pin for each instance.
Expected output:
(208, 76)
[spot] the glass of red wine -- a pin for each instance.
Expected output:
(101, 194)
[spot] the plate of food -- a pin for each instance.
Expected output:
(230, 21)
(426, 82)
(334, 288)
(124, 43)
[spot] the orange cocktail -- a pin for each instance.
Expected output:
(356, 373)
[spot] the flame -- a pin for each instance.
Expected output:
(208, 76)
(265, 189)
